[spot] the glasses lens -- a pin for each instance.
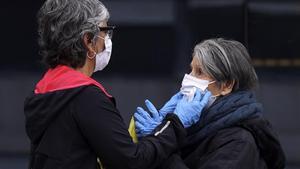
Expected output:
(108, 30)
(110, 33)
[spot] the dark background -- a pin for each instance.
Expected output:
(152, 48)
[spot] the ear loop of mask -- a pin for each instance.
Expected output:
(212, 98)
(215, 96)
(101, 37)
(106, 36)
(211, 82)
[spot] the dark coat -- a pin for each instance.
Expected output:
(232, 134)
(70, 127)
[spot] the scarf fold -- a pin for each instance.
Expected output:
(227, 111)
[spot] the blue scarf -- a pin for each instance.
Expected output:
(225, 112)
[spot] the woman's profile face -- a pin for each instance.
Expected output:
(196, 71)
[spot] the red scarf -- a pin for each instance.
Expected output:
(63, 77)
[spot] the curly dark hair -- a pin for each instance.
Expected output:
(61, 27)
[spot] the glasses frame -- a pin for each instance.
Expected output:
(109, 30)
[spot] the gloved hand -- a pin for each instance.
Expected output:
(144, 123)
(170, 106)
(154, 113)
(189, 112)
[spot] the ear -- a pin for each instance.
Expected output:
(227, 87)
(88, 43)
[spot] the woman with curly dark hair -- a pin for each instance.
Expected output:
(71, 120)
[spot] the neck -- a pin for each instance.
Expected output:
(87, 69)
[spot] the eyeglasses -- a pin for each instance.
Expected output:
(109, 30)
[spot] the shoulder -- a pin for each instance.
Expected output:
(235, 134)
(237, 142)
(92, 91)
(232, 147)
(94, 98)
(92, 94)
(233, 139)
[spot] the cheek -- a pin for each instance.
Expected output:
(100, 46)
(213, 89)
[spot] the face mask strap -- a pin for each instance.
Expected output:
(211, 82)
(101, 37)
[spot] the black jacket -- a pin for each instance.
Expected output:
(69, 128)
(232, 134)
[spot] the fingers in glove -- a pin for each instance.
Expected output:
(177, 96)
(205, 98)
(139, 126)
(143, 113)
(152, 109)
(171, 104)
(198, 95)
(139, 118)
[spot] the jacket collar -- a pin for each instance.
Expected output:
(63, 77)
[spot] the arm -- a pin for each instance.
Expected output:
(107, 134)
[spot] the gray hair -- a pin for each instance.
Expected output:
(61, 27)
(226, 61)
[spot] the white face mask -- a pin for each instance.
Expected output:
(102, 58)
(190, 84)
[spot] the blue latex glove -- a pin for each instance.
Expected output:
(154, 113)
(170, 106)
(189, 112)
(144, 123)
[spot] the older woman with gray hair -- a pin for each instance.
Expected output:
(71, 120)
(231, 132)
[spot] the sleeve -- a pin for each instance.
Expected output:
(107, 134)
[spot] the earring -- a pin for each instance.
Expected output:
(90, 57)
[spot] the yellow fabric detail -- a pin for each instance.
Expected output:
(131, 130)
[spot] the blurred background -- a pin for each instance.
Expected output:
(152, 49)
